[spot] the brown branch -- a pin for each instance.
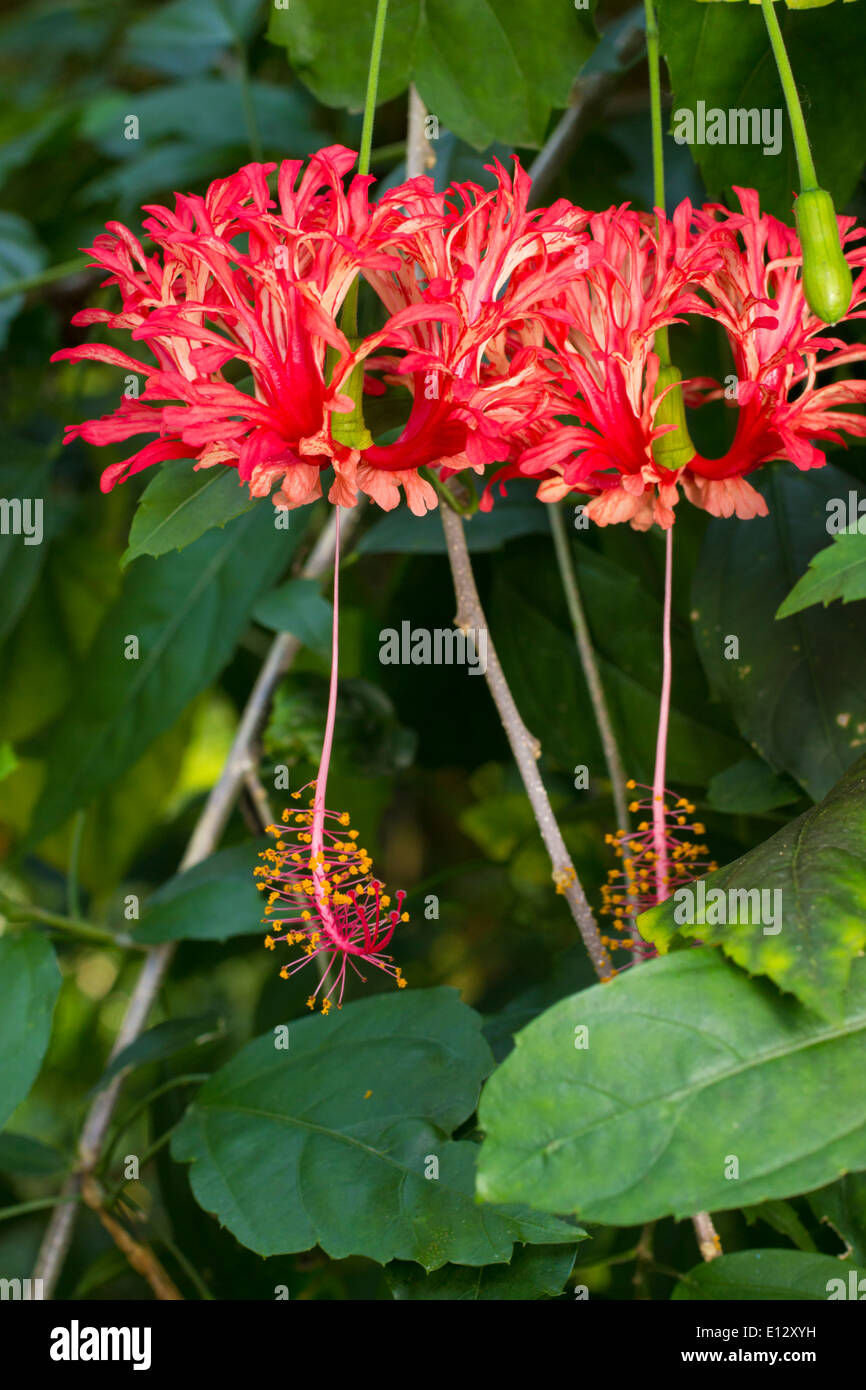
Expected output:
(141, 1257)
(708, 1240)
(525, 748)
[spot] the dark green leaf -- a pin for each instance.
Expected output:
(817, 923)
(211, 902)
(837, 572)
(29, 982)
(189, 35)
(750, 787)
(164, 1040)
(8, 760)
(689, 1066)
(298, 607)
(21, 556)
(204, 112)
(313, 1143)
(842, 1205)
(24, 1157)
(798, 687)
(179, 505)
(20, 256)
(187, 612)
(767, 1274)
(719, 54)
(784, 1219)
(405, 534)
(535, 1271)
(488, 69)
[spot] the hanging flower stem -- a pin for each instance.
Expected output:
(708, 1240)
(349, 322)
(654, 63)
(802, 149)
(318, 825)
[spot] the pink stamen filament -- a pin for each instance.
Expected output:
(660, 844)
(317, 841)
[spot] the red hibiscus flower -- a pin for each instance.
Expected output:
(240, 280)
(741, 269)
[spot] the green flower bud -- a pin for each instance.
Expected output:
(348, 427)
(675, 448)
(827, 282)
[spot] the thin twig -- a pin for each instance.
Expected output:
(588, 661)
(708, 1240)
(419, 152)
(525, 748)
(203, 841)
(643, 1259)
(141, 1257)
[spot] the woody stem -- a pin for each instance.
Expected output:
(526, 750)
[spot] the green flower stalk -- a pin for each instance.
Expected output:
(827, 282)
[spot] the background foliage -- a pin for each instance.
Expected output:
(103, 769)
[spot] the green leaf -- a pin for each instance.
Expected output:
(842, 1205)
(797, 689)
(206, 113)
(750, 787)
(401, 533)
(298, 607)
(689, 1064)
(8, 760)
(20, 255)
(535, 1271)
(312, 1143)
(837, 572)
(817, 865)
(766, 1274)
(164, 1040)
(24, 1157)
(118, 821)
(213, 901)
(29, 983)
(784, 1219)
(186, 612)
(40, 657)
(720, 55)
(189, 35)
(488, 69)
(179, 505)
